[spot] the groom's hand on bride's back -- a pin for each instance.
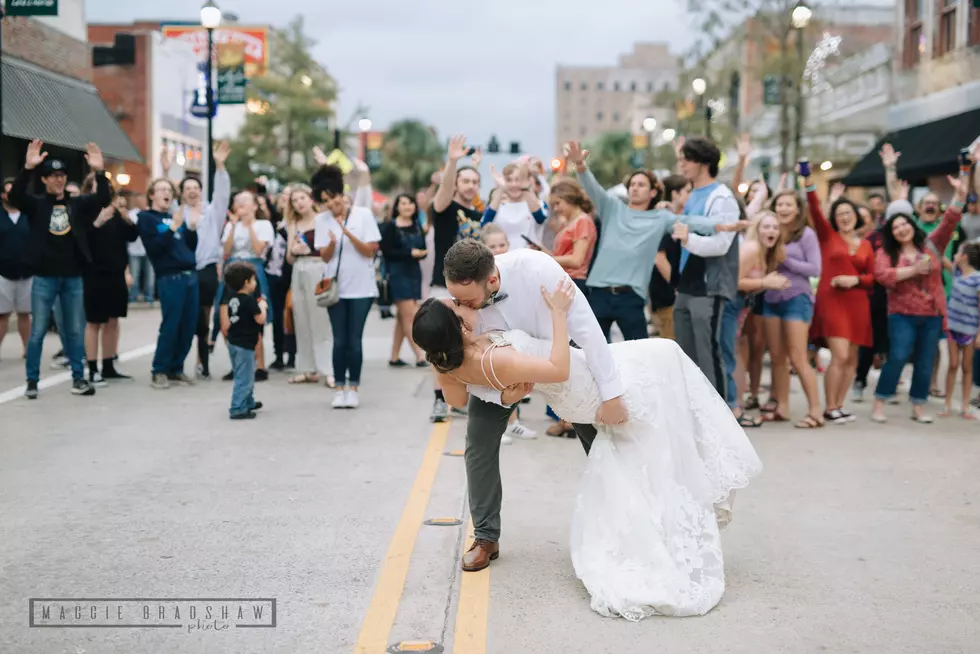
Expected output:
(612, 412)
(516, 393)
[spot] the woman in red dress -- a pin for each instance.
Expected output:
(842, 312)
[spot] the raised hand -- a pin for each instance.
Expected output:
(576, 154)
(221, 153)
(165, 160)
(477, 157)
(497, 177)
(744, 146)
(679, 145)
(318, 156)
(960, 186)
(457, 147)
(837, 192)
(889, 158)
(782, 182)
(34, 155)
(93, 155)
(561, 300)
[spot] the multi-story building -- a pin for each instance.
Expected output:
(935, 105)
(592, 100)
(47, 80)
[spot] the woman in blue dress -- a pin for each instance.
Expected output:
(403, 247)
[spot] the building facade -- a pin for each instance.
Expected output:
(592, 100)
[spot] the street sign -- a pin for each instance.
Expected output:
(32, 7)
(199, 105)
(641, 141)
(231, 85)
(770, 91)
(636, 159)
(341, 160)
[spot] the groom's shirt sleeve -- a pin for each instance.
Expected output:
(583, 328)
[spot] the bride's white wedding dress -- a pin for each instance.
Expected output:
(645, 533)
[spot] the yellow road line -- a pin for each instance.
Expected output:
(380, 615)
(473, 609)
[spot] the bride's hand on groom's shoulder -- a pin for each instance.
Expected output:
(562, 297)
(516, 393)
(612, 412)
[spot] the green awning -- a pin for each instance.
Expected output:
(39, 104)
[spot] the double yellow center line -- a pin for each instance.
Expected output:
(472, 612)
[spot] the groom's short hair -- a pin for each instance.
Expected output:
(468, 261)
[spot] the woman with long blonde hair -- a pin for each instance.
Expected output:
(311, 323)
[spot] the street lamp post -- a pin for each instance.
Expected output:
(364, 125)
(800, 18)
(649, 126)
(700, 86)
(210, 19)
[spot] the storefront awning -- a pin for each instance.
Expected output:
(38, 104)
(927, 150)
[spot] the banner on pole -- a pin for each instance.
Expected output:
(31, 7)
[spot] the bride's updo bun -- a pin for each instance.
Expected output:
(439, 332)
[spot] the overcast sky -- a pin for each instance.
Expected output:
(480, 68)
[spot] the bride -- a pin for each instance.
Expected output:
(656, 490)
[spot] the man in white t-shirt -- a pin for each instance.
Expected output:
(15, 273)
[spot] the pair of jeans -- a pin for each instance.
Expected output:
(283, 345)
(728, 337)
(259, 265)
(347, 319)
(179, 310)
(243, 368)
(912, 338)
(621, 306)
(142, 274)
(67, 293)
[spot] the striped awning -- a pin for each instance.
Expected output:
(39, 104)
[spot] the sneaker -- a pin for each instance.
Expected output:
(206, 376)
(339, 400)
(517, 430)
(160, 381)
(351, 398)
(229, 377)
(506, 440)
(97, 380)
(440, 411)
(261, 375)
(31, 391)
(181, 379)
(115, 374)
(248, 415)
(258, 405)
(277, 365)
(82, 387)
(857, 393)
(60, 363)
(397, 363)
(460, 411)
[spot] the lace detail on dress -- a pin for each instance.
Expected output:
(645, 534)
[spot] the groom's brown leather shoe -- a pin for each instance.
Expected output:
(480, 554)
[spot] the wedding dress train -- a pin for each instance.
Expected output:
(645, 531)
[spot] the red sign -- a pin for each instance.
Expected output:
(254, 39)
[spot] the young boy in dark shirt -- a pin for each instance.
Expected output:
(241, 323)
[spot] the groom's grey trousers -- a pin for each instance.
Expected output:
(484, 428)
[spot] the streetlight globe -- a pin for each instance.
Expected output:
(364, 124)
(649, 124)
(669, 134)
(210, 15)
(801, 16)
(699, 86)
(827, 165)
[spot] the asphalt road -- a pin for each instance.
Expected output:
(861, 538)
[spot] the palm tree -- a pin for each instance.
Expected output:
(610, 155)
(410, 154)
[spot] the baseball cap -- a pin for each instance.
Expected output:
(53, 166)
(899, 207)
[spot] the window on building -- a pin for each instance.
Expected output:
(666, 86)
(633, 86)
(914, 45)
(599, 116)
(585, 86)
(946, 32)
(973, 30)
(616, 86)
(615, 117)
(581, 132)
(599, 86)
(568, 86)
(649, 87)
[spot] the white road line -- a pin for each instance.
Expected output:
(63, 377)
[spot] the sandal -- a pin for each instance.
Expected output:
(937, 393)
(331, 382)
(751, 403)
(308, 378)
(773, 416)
(771, 406)
(745, 421)
(809, 422)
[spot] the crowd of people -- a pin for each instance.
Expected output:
(733, 273)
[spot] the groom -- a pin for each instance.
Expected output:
(507, 292)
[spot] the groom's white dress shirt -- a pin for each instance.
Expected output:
(522, 274)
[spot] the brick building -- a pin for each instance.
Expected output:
(48, 93)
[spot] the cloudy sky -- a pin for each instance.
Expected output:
(480, 68)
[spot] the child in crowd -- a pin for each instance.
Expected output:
(241, 324)
(963, 325)
(494, 237)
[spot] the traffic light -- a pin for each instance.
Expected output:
(493, 147)
(515, 147)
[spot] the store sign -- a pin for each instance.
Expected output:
(255, 41)
(31, 7)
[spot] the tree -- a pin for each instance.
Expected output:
(410, 154)
(290, 111)
(609, 158)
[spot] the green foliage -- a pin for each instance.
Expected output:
(292, 116)
(609, 158)
(410, 154)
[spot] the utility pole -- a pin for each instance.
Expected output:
(784, 166)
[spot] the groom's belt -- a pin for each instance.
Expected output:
(616, 290)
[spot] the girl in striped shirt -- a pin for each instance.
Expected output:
(963, 325)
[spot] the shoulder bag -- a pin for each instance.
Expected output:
(327, 292)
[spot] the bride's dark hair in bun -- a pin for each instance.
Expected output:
(439, 331)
